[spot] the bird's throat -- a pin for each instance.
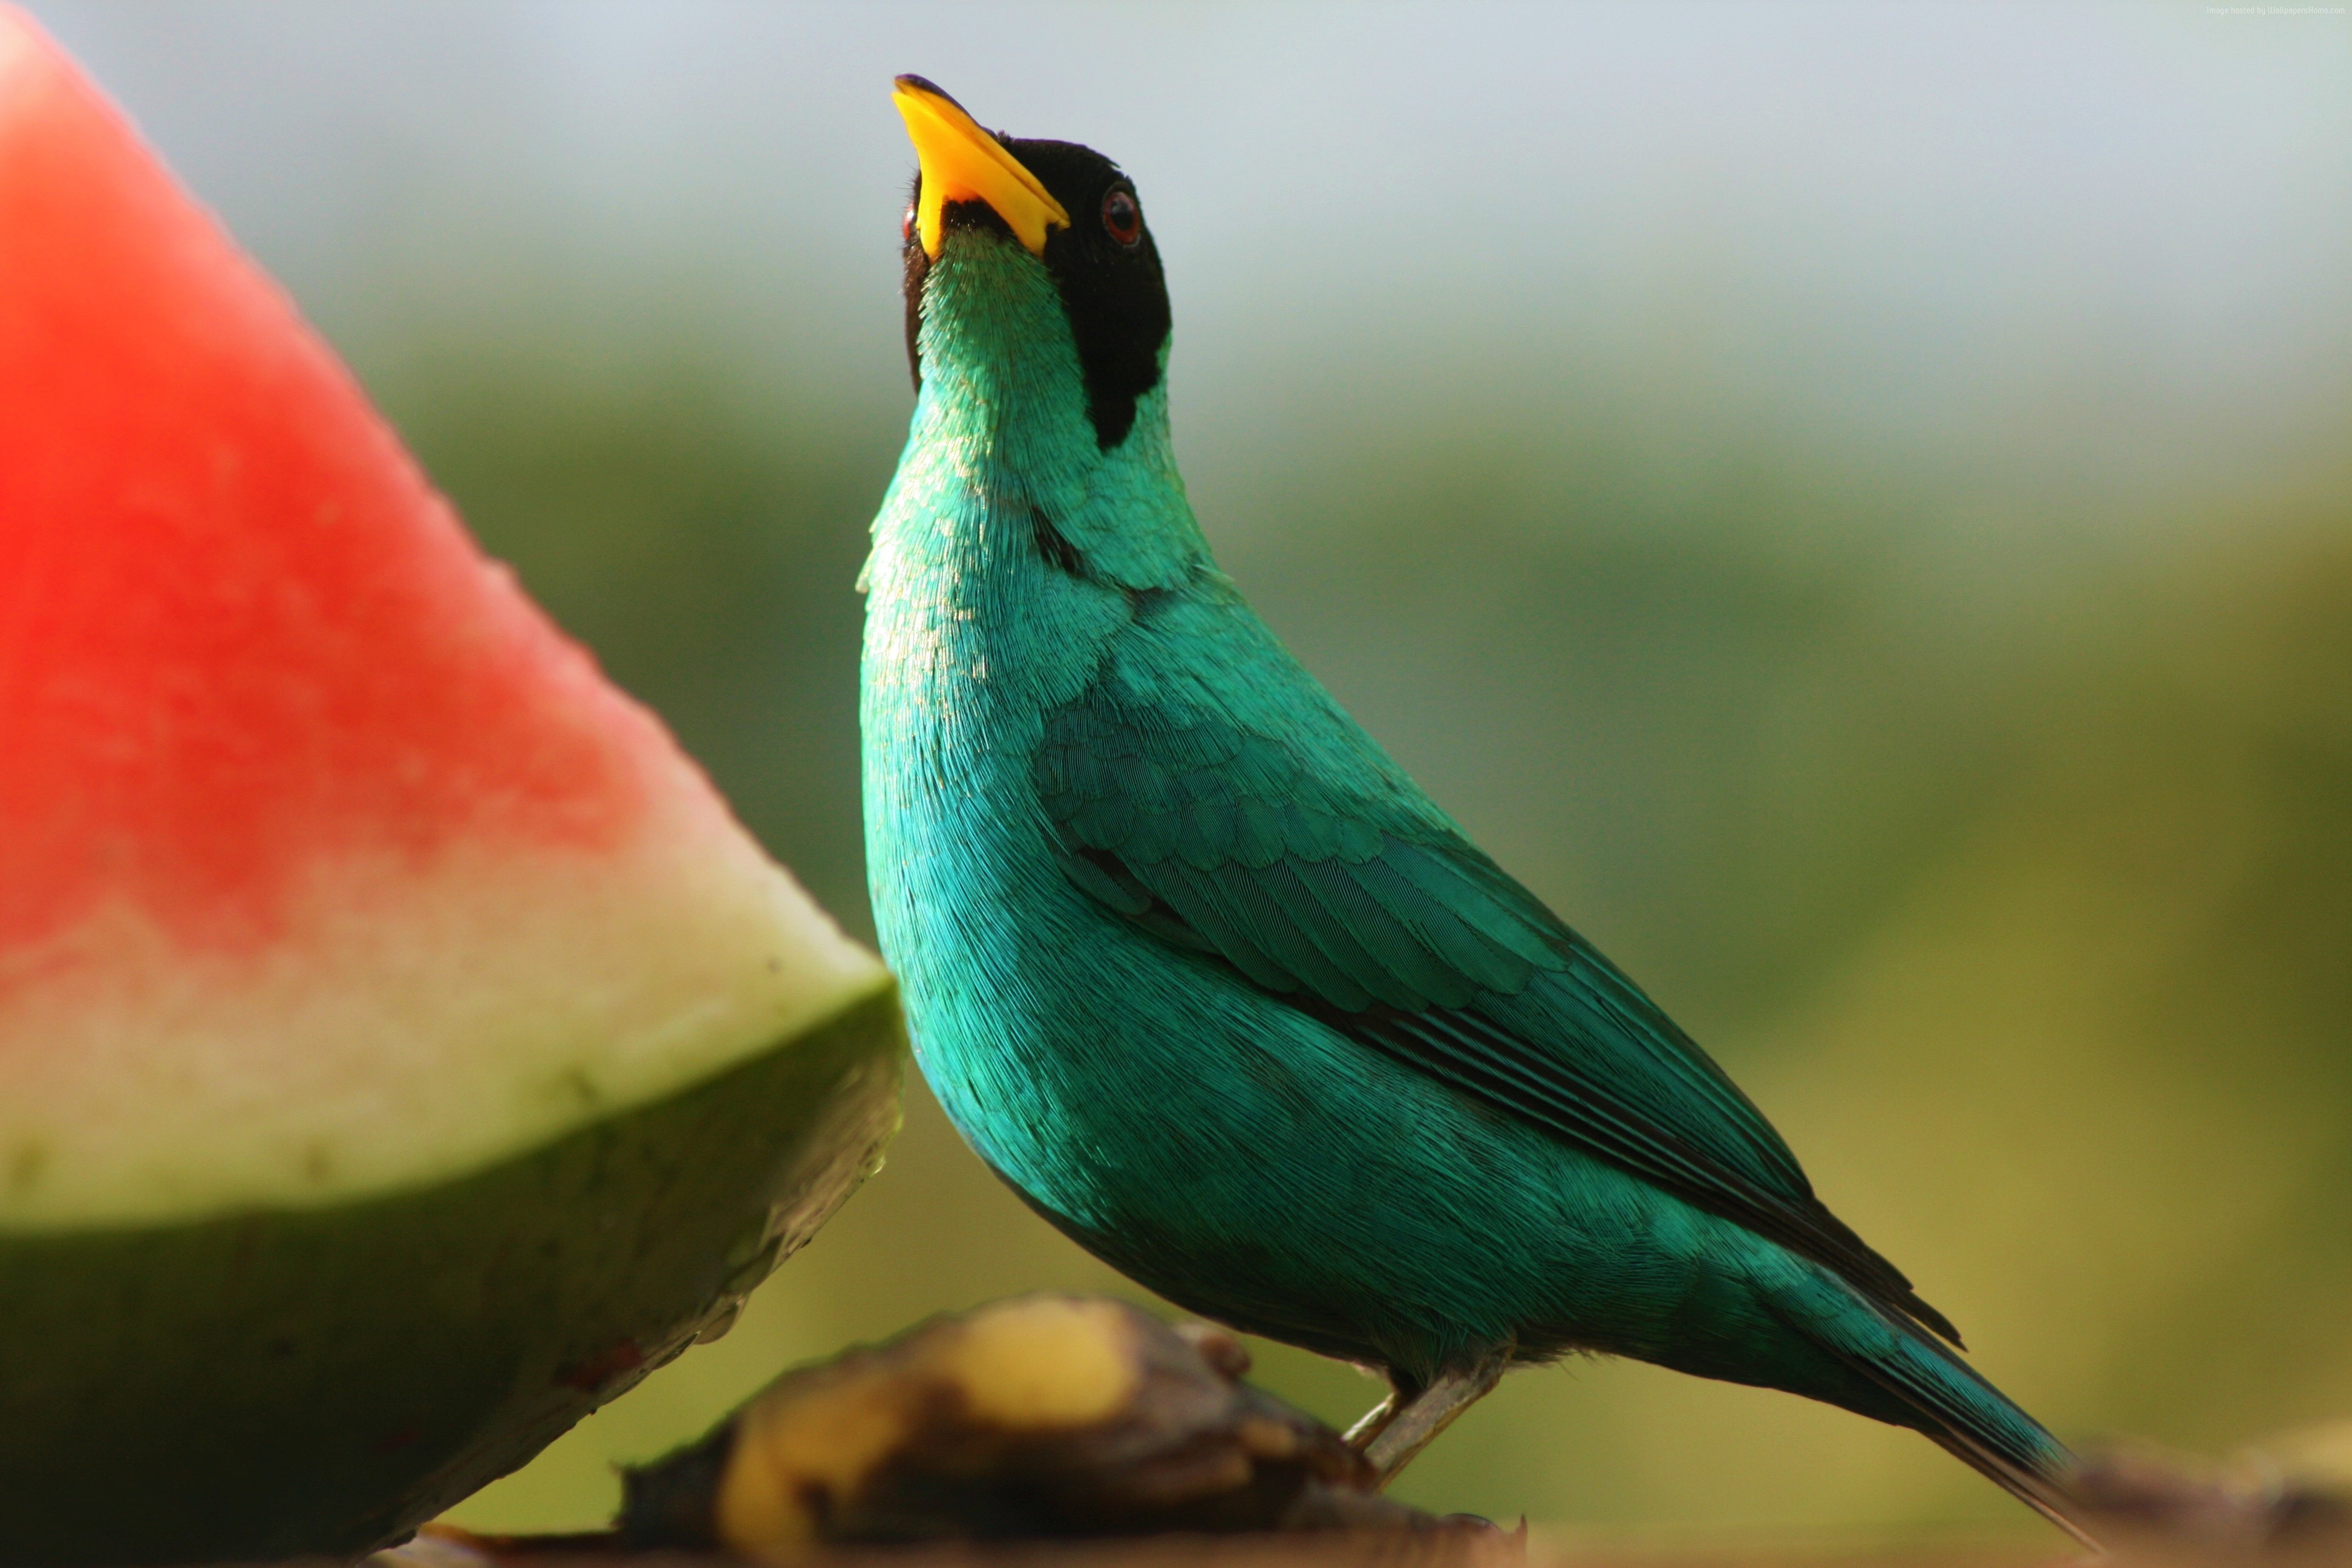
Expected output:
(999, 365)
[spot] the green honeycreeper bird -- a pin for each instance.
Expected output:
(1208, 981)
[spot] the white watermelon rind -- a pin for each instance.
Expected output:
(409, 1021)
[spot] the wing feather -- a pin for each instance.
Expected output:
(1361, 905)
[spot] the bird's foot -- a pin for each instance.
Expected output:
(1406, 1429)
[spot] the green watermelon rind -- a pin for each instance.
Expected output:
(290, 1381)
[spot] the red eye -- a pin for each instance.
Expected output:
(907, 226)
(1122, 219)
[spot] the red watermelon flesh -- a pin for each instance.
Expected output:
(327, 864)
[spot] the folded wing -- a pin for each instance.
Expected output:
(1355, 900)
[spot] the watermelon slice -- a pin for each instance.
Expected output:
(401, 1049)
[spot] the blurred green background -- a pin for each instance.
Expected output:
(1907, 445)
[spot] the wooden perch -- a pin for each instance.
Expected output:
(1043, 1417)
(1069, 1432)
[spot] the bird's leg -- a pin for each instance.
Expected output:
(1372, 1423)
(1409, 1425)
(1402, 1391)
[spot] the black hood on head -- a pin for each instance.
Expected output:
(1111, 286)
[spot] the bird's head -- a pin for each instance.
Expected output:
(1031, 279)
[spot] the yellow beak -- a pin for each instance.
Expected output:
(962, 163)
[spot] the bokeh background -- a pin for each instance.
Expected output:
(1854, 504)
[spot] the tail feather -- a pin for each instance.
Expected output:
(1938, 1394)
(2037, 1492)
(1961, 1412)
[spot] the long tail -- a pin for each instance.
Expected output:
(1952, 1404)
(1953, 1401)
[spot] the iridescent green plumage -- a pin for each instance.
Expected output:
(1197, 968)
